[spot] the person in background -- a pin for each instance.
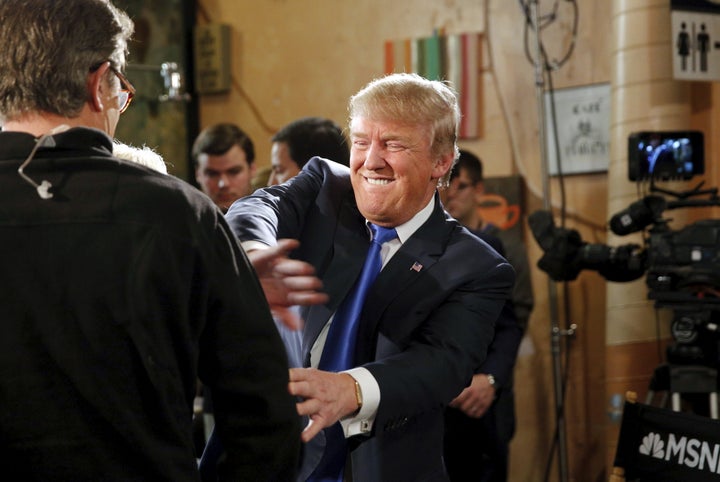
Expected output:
(121, 286)
(297, 142)
(261, 178)
(481, 421)
(462, 202)
(383, 359)
(224, 159)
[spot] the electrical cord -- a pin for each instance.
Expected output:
(236, 84)
(545, 21)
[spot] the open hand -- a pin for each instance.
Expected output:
(328, 397)
(286, 282)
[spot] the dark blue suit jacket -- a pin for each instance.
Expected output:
(477, 448)
(427, 321)
(502, 353)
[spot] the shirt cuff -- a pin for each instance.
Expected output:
(252, 245)
(362, 422)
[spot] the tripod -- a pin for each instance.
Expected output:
(678, 380)
(692, 368)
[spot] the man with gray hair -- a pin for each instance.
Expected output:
(121, 286)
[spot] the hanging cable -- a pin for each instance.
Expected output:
(545, 21)
(536, 22)
(46, 140)
(236, 84)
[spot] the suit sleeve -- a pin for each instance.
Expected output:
(278, 212)
(522, 296)
(502, 352)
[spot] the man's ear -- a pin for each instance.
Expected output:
(443, 165)
(96, 87)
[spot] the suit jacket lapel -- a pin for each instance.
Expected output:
(416, 256)
(350, 246)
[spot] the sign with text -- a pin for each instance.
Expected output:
(582, 116)
(212, 58)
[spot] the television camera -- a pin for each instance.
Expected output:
(681, 267)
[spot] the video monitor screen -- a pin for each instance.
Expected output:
(665, 155)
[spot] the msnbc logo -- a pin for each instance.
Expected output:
(690, 452)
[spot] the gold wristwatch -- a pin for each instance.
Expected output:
(358, 395)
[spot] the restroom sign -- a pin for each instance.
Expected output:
(696, 39)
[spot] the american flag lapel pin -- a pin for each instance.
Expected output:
(416, 267)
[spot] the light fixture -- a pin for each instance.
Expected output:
(174, 86)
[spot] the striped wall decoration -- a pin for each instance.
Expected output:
(456, 58)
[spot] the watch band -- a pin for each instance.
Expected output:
(358, 395)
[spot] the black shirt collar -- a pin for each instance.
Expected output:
(78, 140)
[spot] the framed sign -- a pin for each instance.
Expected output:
(695, 28)
(583, 128)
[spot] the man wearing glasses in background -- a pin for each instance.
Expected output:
(120, 286)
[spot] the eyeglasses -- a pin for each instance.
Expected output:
(127, 91)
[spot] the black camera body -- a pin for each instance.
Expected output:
(665, 155)
(681, 267)
(683, 274)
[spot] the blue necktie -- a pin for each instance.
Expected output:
(339, 350)
(338, 353)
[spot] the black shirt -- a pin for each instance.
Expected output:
(116, 295)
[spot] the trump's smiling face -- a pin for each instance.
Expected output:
(394, 172)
